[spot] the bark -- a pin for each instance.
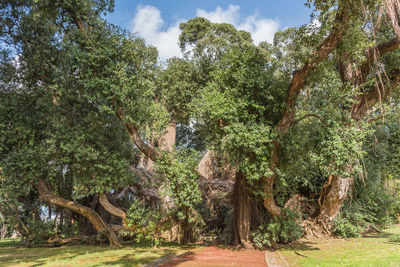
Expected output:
(300, 77)
(269, 201)
(12, 212)
(242, 209)
(185, 233)
(45, 194)
(379, 93)
(206, 166)
(332, 196)
(168, 140)
(112, 209)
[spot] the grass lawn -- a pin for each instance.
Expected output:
(12, 254)
(372, 251)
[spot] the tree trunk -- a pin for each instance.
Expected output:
(12, 212)
(332, 196)
(185, 233)
(168, 140)
(269, 201)
(206, 165)
(47, 195)
(242, 209)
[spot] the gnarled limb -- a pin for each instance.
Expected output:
(112, 209)
(370, 98)
(47, 195)
(133, 132)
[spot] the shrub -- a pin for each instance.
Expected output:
(345, 228)
(283, 229)
(147, 223)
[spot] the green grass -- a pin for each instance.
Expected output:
(371, 251)
(12, 254)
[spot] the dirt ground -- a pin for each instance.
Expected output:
(216, 257)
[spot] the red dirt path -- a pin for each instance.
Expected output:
(216, 257)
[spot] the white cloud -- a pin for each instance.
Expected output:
(148, 24)
(230, 15)
(261, 29)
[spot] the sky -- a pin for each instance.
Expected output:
(157, 21)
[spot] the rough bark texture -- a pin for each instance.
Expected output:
(242, 209)
(269, 201)
(47, 195)
(332, 196)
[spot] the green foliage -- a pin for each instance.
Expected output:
(346, 228)
(40, 231)
(147, 223)
(282, 230)
(179, 168)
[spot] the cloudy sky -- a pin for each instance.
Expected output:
(157, 21)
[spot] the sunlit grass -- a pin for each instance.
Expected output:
(372, 251)
(12, 254)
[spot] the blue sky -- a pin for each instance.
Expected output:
(157, 21)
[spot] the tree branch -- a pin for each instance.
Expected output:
(370, 98)
(301, 76)
(309, 115)
(133, 132)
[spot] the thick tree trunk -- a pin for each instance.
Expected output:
(336, 189)
(185, 233)
(269, 201)
(242, 209)
(332, 196)
(206, 166)
(47, 195)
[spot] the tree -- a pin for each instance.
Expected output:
(61, 95)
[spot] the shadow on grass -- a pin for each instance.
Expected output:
(12, 253)
(299, 246)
